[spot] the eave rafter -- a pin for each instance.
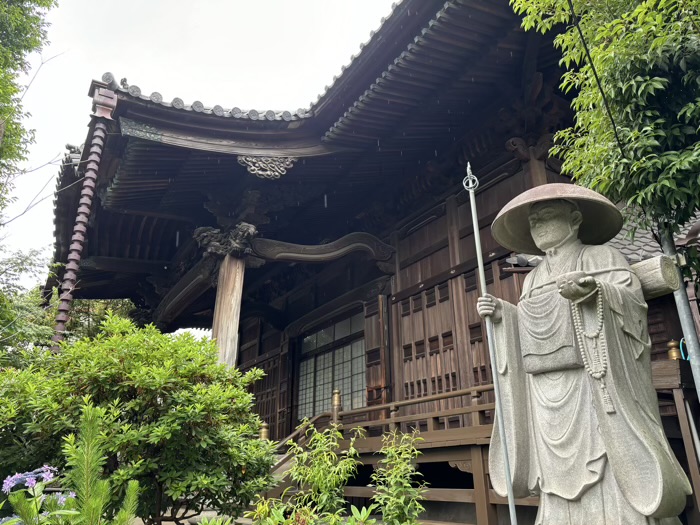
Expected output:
(233, 143)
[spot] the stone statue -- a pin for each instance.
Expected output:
(581, 415)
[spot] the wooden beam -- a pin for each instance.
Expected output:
(277, 318)
(124, 265)
(430, 494)
(271, 250)
(231, 142)
(366, 292)
(190, 287)
(227, 309)
(156, 214)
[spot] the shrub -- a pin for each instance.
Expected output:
(180, 424)
(397, 493)
(320, 471)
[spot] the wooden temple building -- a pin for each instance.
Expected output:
(333, 246)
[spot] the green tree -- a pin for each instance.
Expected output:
(181, 424)
(646, 57)
(22, 32)
(87, 315)
(24, 321)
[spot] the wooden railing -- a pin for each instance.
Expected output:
(466, 407)
(467, 441)
(299, 436)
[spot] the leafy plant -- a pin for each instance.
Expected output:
(217, 520)
(31, 505)
(87, 503)
(180, 423)
(85, 457)
(397, 492)
(361, 516)
(320, 471)
(270, 511)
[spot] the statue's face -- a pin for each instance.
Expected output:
(551, 222)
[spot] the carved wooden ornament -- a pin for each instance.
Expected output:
(219, 243)
(266, 167)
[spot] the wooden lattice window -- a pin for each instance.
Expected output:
(333, 357)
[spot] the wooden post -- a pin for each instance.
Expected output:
(393, 412)
(485, 511)
(474, 400)
(336, 407)
(264, 432)
(690, 452)
(227, 309)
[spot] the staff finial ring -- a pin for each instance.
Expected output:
(470, 182)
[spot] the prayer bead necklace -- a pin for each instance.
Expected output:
(597, 365)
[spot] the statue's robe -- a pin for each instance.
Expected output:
(592, 461)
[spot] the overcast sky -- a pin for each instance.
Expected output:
(252, 54)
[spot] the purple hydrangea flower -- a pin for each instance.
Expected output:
(11, 481)
(47, 473)
(63, 497)
(29, 479)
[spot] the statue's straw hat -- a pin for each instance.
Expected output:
(601, 219)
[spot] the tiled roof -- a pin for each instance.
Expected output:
(198, 107)
(373, 35)
(643, 246)
(401, 12)
(640, 248)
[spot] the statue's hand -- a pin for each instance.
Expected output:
(575, 286)
(489, 306)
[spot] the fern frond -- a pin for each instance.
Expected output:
(85, 458)
(127, 512)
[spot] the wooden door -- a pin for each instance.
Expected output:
(377, 351)
(266, 393)
(424, 340)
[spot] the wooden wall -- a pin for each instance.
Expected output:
(267, 348)
(423, 336)
(437, 342)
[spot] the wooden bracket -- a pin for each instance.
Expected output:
(359, 241)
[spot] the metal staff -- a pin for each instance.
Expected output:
(471, 183)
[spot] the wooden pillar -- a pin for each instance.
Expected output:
(688, 443)
(336, 407)
(485, 511)
(227, 309)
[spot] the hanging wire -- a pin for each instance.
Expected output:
(597, 79)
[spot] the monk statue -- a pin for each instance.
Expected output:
(581, 416)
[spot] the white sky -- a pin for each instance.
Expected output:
(261, 54)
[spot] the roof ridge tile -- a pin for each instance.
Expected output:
(197, 106)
